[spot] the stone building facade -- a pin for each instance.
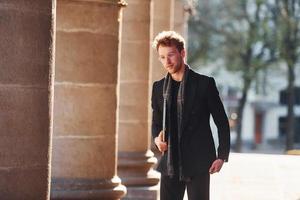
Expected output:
(75, 80)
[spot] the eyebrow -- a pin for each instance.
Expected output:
(171, 52)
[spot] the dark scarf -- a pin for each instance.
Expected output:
(167, 116)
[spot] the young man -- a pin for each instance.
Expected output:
(188, 151)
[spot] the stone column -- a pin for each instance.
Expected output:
(179, 17)
(165, 15)
(26, 91)
(84, 142)
(135, 158)
(161, 14)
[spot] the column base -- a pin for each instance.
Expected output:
(142, 193)
(83, 189)
(135, 170)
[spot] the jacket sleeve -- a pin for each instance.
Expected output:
(156, 112)
(220, 118)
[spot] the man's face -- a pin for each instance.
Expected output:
(171, 58)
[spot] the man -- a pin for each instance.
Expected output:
(187, 146)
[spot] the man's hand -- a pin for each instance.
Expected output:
(216, 166)
(161, 145)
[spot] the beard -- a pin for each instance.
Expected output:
(175, 67)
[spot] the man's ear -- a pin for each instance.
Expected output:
(183, 53)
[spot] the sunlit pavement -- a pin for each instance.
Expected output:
(257, 177)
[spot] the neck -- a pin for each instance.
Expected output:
(179, 74)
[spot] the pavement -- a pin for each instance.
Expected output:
(257, 177)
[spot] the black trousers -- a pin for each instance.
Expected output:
(173, 189)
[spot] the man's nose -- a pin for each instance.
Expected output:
(168, 60)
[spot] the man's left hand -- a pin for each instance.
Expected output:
(216, 166)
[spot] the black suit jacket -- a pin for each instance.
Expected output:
(201, 99)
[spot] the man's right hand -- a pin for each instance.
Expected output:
(161, 145)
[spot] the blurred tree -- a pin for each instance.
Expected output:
(241, 33)
(286, 17)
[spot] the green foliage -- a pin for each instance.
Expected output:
(288, 29)
(238, 31)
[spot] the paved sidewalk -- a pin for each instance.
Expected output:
(257, 177)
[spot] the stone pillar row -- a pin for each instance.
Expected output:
(96, 109)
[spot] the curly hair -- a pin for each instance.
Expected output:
(169, 38)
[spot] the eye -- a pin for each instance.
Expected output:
(161, 58)
(171, 55)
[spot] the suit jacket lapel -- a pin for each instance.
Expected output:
(189, 98)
